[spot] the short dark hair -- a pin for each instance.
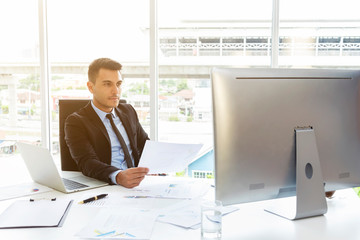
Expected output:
(99, 63)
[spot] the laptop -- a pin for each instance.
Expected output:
(43, 170)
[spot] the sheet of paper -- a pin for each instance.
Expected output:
(184, 214)
(161, 157)
(120, 223)
(152, 187)
(116, 199)
(187, 214)
(21, 190)
(171, 189)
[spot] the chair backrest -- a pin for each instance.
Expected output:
(67, 107)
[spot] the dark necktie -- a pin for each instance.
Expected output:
(122, 142)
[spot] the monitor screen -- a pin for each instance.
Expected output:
(255, 112)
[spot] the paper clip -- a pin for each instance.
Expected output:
(33, 200)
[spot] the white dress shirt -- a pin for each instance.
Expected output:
(117, 153)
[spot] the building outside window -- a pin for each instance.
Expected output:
(193, 37)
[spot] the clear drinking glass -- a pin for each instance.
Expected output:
(211, 220)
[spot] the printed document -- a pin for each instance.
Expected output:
(120, 223)
(20, 190)
(187, 214)
(161, 157)
(171, 189)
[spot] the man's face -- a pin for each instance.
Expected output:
(106, 90)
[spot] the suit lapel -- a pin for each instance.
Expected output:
(96, 121)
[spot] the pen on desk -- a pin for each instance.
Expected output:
(93, 198)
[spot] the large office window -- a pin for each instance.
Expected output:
(19, 74)
(94, 29)
(195, 36)
(319, 33)
(20, 108)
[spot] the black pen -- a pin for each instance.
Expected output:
(93, 198)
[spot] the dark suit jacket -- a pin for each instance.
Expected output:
(89, 142)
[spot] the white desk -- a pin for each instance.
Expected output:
(340, 222)
(250, 222)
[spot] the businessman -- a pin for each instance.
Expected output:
(105, 137)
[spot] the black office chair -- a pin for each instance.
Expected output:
(66, 107)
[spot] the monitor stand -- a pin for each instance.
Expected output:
(310, 193)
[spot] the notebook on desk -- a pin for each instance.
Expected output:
(43, 170)
(25, 213)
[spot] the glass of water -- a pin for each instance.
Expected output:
(211, 220)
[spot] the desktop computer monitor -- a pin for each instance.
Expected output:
(257, 114)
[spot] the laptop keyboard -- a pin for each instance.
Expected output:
(71, 185)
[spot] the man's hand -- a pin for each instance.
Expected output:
(131, 177)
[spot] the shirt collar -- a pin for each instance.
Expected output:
(102, 114)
